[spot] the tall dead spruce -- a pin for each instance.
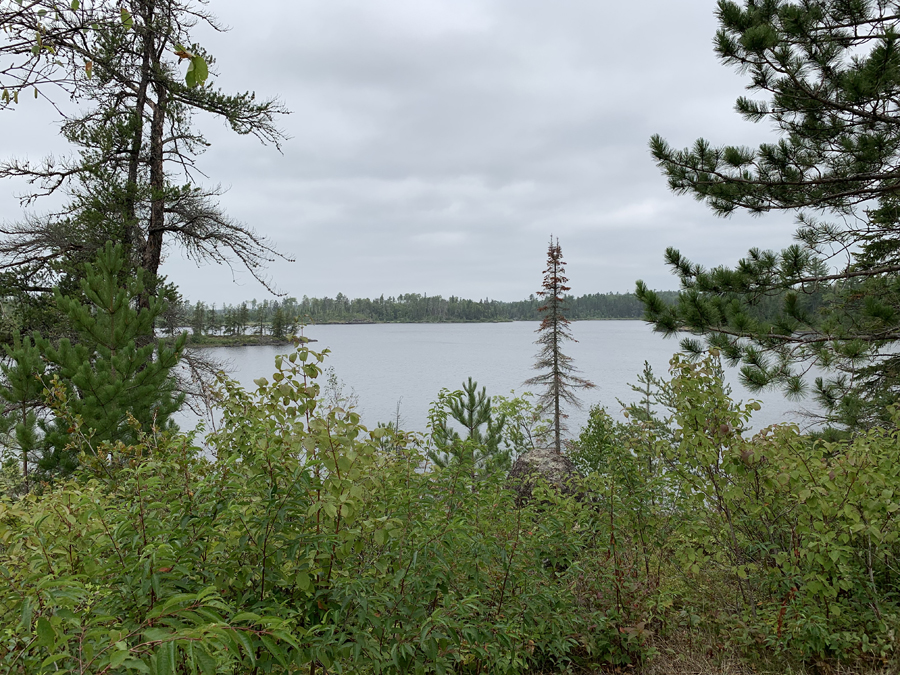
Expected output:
(558, 375)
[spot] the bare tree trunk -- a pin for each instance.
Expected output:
(132, 231)
(25, 448)
(557, 375)
(153, 247)
(557, 385)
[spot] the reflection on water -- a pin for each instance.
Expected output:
(409, 363)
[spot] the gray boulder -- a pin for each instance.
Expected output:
(543, 464)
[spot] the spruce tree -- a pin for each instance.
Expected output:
(113, 372)
(827, 73)
(278, 322)
(558, 376)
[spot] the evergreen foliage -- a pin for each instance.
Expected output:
(22, 371)
(558, 380)
(828, 75)
(115, 379)
(480, 449)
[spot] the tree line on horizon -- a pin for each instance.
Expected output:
(282, 317)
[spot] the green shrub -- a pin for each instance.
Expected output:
(300, 546)
(778, 539)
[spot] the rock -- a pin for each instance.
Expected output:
(544, 463)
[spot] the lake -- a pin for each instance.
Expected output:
(387, 364)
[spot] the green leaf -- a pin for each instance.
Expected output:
(165, 659)
(75, 5)
(157, 634)
(274, 649)
(26, 611)
(46, 634)
(244, 617)
(118, 658)
(127, 20)
(206, 662)
(284, 636)
(53, 659)
(242, 638)
(200, 69)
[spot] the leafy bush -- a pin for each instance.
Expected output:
(309, 542)
(300, 546)
(778, 539)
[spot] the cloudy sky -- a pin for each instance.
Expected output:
(435, 145)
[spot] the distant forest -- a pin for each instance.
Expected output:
(279, 318)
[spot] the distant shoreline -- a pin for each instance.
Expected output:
(428, 321)
(210, 341)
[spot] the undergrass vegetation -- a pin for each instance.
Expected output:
(300, 540)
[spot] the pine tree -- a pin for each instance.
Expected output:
(243, 318)
(113, 369)
(828, 73)
(473, 411)
(22, 394)
(558, 376)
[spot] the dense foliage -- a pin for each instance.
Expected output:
(302, 545)
(307, 541)
(827, 71)
(775, 541)
(295, 539)
(112, 376)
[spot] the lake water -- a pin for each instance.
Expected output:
(384, 364)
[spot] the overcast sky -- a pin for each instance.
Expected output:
(436, 145)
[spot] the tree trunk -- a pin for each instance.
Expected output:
(132, 232)
(153, 247)
(557, 383)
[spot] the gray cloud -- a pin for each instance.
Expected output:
(436, 144)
